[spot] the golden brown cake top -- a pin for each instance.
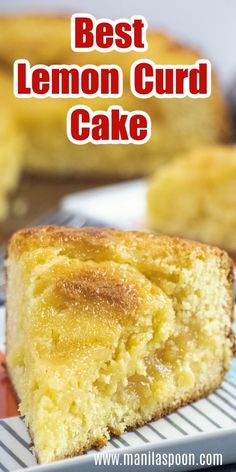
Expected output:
(105, 274)
(105, 243)
(148, 253)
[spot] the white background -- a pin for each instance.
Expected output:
(209, 25)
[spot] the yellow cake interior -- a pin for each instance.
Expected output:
(195, 197)
(107, 330)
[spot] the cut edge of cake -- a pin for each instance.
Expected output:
(108, 242)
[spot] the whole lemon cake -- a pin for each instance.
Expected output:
(107, 330)
(177, 125)
(194, 196)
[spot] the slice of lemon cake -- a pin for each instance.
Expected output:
(107, 330)
(194, 197)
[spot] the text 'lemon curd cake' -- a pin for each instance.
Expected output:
(177, 125)
(194, 196)
(107, 330)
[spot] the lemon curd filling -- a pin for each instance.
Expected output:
(107, 330)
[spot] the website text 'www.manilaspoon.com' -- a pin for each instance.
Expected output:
(151, 458)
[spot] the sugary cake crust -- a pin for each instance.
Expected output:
(98, 238)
